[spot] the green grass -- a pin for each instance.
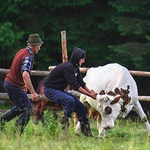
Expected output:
(126, 135)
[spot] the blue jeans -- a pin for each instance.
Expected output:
(23, 108)
(71, 103)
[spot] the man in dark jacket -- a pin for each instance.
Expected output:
(61, 76)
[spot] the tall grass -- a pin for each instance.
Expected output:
(126, 135)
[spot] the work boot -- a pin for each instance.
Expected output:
(85, 129)
(65, 123)
(2, 124)
(7, 116)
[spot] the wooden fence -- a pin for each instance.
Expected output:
(4, 96)
(3, 71)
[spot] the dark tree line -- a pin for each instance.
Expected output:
(109, 31)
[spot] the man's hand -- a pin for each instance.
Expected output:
(35, 96)
(25, 89)
(93, 94)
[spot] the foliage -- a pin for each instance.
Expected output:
(109, 31)
(132, 23)
(126, 135)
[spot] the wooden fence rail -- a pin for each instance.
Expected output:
(4, 96)
(33, 72)
(83, 70)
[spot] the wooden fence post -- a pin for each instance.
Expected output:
(64, 46)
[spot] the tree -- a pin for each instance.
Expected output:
(132, 23)
(109, 31)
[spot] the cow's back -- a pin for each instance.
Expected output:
(109, 77)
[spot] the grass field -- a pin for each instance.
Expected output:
(126, 135)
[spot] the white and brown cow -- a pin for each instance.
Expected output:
(41, 105)
(109, 105)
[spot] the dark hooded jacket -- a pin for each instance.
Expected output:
(67, 73)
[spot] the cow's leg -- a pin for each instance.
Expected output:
(75, 119)
(78, 128)
(138, 109)
(36, 112)
(77, 124)
(55, 108)
(100, 128)
(42, 108)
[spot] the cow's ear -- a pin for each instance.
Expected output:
(102, 92)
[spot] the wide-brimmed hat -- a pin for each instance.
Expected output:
(34, 39)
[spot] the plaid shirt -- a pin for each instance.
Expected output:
(27, 63)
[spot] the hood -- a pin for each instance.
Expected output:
(76, 55)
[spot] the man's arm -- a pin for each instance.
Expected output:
(28, 85)
(87, 92)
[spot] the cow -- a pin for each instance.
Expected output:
(119, 97)
(41, 105)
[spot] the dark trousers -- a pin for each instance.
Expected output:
(71, 103)
(23, 108)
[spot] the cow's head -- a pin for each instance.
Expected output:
(109, 107)
(111, 104)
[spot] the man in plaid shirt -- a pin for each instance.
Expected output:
(18, 82)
